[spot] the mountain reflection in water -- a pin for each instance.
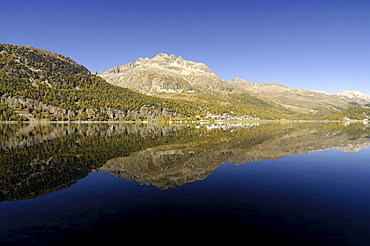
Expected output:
(39, 159)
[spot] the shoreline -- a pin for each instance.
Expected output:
(183, 121)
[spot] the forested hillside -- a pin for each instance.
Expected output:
(56, 80)
(40, 84)
(354, 113)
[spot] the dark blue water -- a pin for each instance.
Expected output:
(322, 197)
(315, 198)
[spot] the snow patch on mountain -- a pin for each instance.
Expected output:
(354, 95)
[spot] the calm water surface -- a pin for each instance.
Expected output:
(281, 184)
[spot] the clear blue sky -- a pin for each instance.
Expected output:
(305, 44)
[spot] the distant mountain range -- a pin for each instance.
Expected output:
(303, 100)
(171, 76)
(36, 84)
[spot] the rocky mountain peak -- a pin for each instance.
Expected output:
(177, 63)
(165, 57)
(165, 74)
(161, 61)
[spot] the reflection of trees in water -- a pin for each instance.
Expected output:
(24, 135)
(37, 159)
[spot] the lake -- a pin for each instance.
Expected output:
(266, 183)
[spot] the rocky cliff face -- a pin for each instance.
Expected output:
(168, 74)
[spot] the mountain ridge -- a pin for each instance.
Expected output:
(303, 100)
(39, 84)
(169, 76)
